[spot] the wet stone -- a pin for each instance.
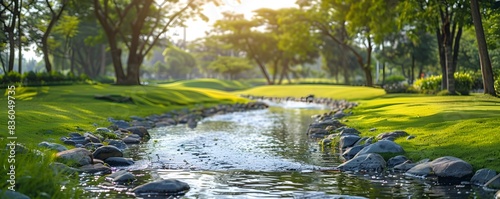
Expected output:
(118, 144)
(107, 151)
(95, 168)
(121, 177)
(169, 187)
(77, 156)
(482, 176)
(494, 183)
(394, 161)
(119, 161)
(131, 140)
(365, 162)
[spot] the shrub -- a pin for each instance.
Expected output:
(394, 79)
(30, 77)
(105, 79)
(463, 83)
(44, 77)
(12, 77)
(497, 86)
(432, 84)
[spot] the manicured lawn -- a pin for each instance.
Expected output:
(335, 92)
(51, 112)
(224, 85)
(463, 126)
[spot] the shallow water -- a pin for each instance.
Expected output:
(261, 154)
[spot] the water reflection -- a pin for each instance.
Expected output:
(260, 154)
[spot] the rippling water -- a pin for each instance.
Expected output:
(260, 154)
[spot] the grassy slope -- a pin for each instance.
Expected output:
(51, 112)
(461, 126)
(336, 92)
(216, 84)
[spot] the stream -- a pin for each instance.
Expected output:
(260, 154)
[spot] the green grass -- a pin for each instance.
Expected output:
(51, 112)
(224, 85)
(462, 126)
(335, 92)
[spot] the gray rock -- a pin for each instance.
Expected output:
(351, 152)
(92, 146)
(119, 161)
(317, 133)
(392, 162)
(140, 130)
(95, 168)
(349, 131)
(443, 167)
(405, 166)
(365, 162)
(12, 195)
(53, 146)
(382, 147)
(118, 144)
(348, 141)
(121, 177)
(339, 115)
(75, 135)
(394, 134)
(163, 188)
(93, 138)
(323, 124)
(77, 156)
(103, 130)
(494, 183)
(497, 195)
(131, 140)
(107, 151)
(192, 123)
(121, 124)
(482, 176)
(410, 137)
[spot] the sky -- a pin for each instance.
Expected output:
(196, 29)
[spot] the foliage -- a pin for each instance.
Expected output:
(497, 86)
(42, 78)
(230, 66)
(37, 183)
(178, 63)
(394, 79)
(432, 84)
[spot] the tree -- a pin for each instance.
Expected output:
(178, 63)
(369, 28)
(230, 66)
(9, 14)
(138, 25)
(486, 69)
(56, 10)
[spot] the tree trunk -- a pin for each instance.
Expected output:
(19, 54)
(368, 68)
(133, 68)
(12, 51)
(347, 80)
(383, 73)
(412, 71)
(486, 69)
(442, 59)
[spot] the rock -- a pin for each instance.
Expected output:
(365, 162)
(95, 168)
(348, 141)
(120, 124)
(410, 137)
(58, 167)
(392, 162)
(121, 177)
(53, 146)
(119, 161)
(12, 195)
(93, 138)
(494, 183)
(446, 168)
(163, 188)
(394, 134)
(382, 147)
(93, 146)
(75, 135)
(192, 123)
(77, 156)
(482, 176)
(103, 130)
(107, 151)
(141, 131)
(324, 123)
(317, 133)
(339, 115)
(497, 195)
(118, 144)
(349, 131)
(131, 140)
(373, 129)
(405, 166)
(351, 152)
